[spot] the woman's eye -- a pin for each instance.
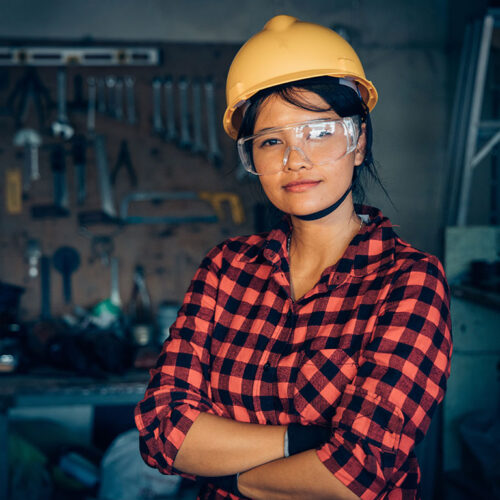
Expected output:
(269, 141)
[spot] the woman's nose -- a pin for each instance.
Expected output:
(295, 159)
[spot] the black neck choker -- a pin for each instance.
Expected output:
(327, 210)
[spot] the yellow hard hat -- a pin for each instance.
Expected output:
(287, 50)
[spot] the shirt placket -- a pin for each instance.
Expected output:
(265, 393)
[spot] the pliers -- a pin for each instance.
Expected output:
(29, 88)
(124, 160)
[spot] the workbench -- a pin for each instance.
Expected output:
(50, 388)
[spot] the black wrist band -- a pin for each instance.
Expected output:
(306, 437)
(227, 483)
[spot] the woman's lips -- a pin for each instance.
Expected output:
(300, 186)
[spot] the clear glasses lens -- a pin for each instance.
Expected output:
(318, 141)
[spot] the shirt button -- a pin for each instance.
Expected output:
(267, 366)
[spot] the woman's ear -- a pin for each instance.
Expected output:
(359, 152)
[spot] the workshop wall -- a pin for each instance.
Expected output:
(405, 50)
(170, 253)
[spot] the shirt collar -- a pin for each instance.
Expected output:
(372, 248)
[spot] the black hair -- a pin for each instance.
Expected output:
(340, 98)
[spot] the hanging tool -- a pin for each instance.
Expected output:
(33, 254)
(107, 214)
(114, 294)
(124, 160)
(29, 90)
(130, 98)
(78, 104)
(198, 145)
(83, 56)
(58, 163)
(101, 95)
(157, 121)
(141, 324)
(45, 287)
(103, 173)
(118, 104)
(110, 97)
(214, 153)
(66, 260)
(216, 199)
(30, 140)
(61, 127)
(61, 199)
(185, 135)
(170, 129)
(79, 152)
(92, 103)
(162, 219)
(13, 191)
(101, 247)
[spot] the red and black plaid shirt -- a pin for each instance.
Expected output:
(366, 351)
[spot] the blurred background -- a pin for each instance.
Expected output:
(117, 178)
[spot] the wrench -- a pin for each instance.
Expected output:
(92, 95)
(118, 111)
(185, 138)
(198, 144)
(79, 150)
(171, 132)
(157, 121)
(61, 127)
(114, 295)
(130, 91)
(214, 153)
(111, 91)
(101, 95)
(58, 164)
(105, 188)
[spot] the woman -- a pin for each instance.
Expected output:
(305, 362)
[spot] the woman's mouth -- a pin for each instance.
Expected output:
(300, 186)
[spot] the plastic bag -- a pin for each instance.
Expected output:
(124, 474)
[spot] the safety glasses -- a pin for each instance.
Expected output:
(319, 142)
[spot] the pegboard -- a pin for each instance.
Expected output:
(170, 254)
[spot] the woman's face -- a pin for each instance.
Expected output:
(301, 188)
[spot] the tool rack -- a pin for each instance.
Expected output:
(160, 158)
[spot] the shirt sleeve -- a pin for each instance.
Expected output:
(401, 378)
(179, 388)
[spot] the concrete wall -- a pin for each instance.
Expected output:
(402, 45)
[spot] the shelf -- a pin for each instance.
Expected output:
(481, 297)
